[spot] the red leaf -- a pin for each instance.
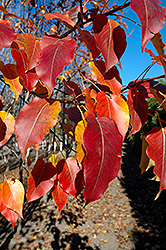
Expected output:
(116, 109)
(138, 108)
(53, 58)
(156, 151)
(60, 17)
(30, 78)
(7, 33)
(90, 42)
(34, 121)
(68, 175)
(59, 196)
(48, 40)
(40, 180)
(152, 17)
(107, 35)
(32, 49)
(79, 182)
(9, 214)
(13, 195)
(103, 145)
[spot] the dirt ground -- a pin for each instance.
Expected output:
(127, 217)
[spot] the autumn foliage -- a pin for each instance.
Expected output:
(100, 111)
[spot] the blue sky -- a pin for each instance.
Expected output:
(134, 61)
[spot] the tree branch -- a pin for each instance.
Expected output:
(81, 23)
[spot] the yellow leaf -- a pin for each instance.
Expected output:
(53, 159)
(15, 86)
(78, 137)
(42, 8)
(9, 121)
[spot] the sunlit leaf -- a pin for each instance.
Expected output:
(60, 17)
(53, 159)
(116, 109)
(53, 58)
(34, 121)
(90, 103)
(9, 121)
(32, 49)
(13, 195)
(9, 214)
(110, 79)
(80, 152)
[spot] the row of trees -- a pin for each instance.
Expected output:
(62, 73)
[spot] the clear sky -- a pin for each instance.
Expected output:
(134, 61)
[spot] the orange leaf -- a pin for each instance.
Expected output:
(59, 196)
(32, 49)
(111, 79)
(116, 109)
(13, 195)
(90, 102)
(9, 121)
(34, 122)
(9, 214)
(65, 18)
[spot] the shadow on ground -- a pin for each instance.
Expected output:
(150, 214)
(39, 230)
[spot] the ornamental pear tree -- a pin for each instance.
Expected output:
(80, 50)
